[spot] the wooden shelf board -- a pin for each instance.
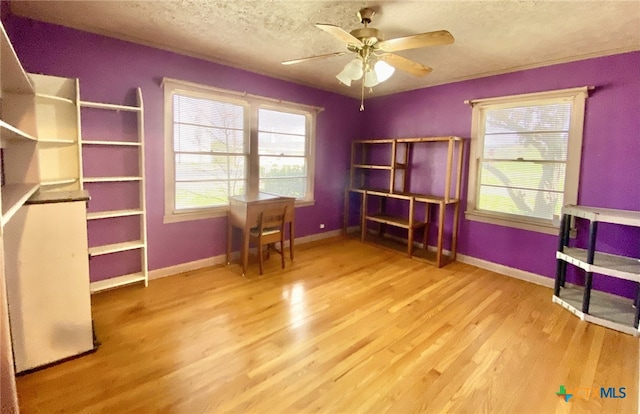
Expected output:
(395, 221)
(362, 190)
(373, 167)
(604, 215)
(99, 105)
(400, 196)
(607, 264)
(10, 132)
(423, 198)
(374, 141)
(112, 214)
(14, 78)
(115, 282)
(110, 179)
(604, 309)
(400, 246)
(116, 247)
(14, 196)
(428, 139)
(115, 143)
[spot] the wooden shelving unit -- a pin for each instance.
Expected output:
(380, 170)
(140, 244)
(596, 307)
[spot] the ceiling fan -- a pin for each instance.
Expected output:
(373, 62)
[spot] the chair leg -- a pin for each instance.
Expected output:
(282, 249)
(260, 256)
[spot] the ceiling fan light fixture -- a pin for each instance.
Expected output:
(370, 79)
(344, 78)
(383, 70)
(354, 69)
(351, 71)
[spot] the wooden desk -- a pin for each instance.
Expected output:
(244, 211)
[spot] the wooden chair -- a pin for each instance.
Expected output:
(270, 230)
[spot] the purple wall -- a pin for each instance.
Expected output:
(110, 69)
(610, 169)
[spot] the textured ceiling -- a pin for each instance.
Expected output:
(490, 36)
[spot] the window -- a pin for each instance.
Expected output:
(525, 158)
(282, 146)
(212, 151)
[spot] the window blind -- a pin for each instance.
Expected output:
(523, 163)
(210, 152)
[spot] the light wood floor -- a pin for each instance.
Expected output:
(347, 328)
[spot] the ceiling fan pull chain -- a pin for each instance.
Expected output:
(362, 97)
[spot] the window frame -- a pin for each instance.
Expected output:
(309, 147)
(577, 97)
(252, 104)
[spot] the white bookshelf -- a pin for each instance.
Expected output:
(57, 113)
(14, 196)
(140, 244)
(111, 179)
(13, 77)
(44, 245)
(20, 177)
(117, 281)
(11, 133)
(108, 106)
(17, 132)
(113, 143)
(116, 247)
(114, 213)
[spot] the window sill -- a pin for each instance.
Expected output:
(208, 214)
(517, 223)
(194, 215)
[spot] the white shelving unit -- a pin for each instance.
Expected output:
(17, 132)
(44, 243)
(597, 307)
(56, 116)
(141, 243)
(19, 182)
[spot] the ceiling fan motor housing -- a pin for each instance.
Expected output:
(368, 35)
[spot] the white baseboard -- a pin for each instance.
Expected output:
(220, 259)
(484, 264)
(507, 271)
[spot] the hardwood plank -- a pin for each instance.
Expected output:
(347, 327)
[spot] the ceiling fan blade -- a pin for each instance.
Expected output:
(340, 34)
(440, 37)
(306, 59)
(405, 64)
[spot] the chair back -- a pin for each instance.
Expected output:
(272, 219)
